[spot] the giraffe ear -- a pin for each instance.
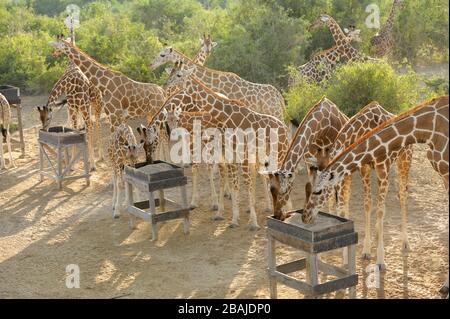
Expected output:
(168, 70)
(39, 108)
(214, 44)
(346, 31)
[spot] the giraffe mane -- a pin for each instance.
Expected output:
(384, 125)
(153, 119)
(311, 110)
(210, 91)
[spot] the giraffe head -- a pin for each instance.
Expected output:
(165, 55)
(59, 46)
(132, 152)
(178, 76)
(45, 115)
(172, 115)
(353, 34)
(207, 43)
(323, 19)
(149, 139)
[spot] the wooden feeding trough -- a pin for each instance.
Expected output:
(12, 95)
(61, 139)
(156, 177)
(327, 233)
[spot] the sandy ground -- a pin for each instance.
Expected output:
(42, 230)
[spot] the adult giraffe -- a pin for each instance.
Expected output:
(383, 42)
(262, 98)
(123, 97)
(426, 124)
(82, 98)
(367, 119)
(315, 135)
(5, 136)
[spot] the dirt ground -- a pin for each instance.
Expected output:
(42, 230)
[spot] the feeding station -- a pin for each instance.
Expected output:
(328, 233)
(62, 139)
(12, 95)
(149, 178)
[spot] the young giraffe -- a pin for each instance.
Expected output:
(122, 150)
(383, 41)
(123, 98)
(262, 98)
(367, 119)
(229, 114)
(82, 98)
(425, 124)
(315, 135)
(5, 120)
(207, 44)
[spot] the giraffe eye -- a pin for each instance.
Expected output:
(318, 193)
(163, 55)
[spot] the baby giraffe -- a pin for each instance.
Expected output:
(122, 150)
(5, 120)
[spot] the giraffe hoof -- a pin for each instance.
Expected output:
(248, 211)
(217, 218)
(381, 267)
(444, 291)
(366, 256)
(254, 228)
(193, 206)
(116, 216)
(233, 225)
(227, 196)
(215, 207)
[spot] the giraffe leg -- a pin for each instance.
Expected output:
(403, 166)
(2, 157)
(340, 210)
(214, 200)
(249, 174)
(114, 199)
(444, 289)
(90, 139)
(195, 171)
(365, 172)
(99, 138)
(383, 183)
(223, 179)
(267, 197)
(233, 177)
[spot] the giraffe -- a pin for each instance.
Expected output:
(383, 41)
(322, 63)
(163, 121)
(262, 98)
(207, 44)
(367, 119)
(122, 150)
(424, 124)
(123, 98)
(5, 120)
(83, 98)
(230, 114)
(315, 135)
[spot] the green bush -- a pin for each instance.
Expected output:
(355, 85)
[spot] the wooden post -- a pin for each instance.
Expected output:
(152, 208)
(352, 268)
(311, 270)
(162, 200)
(86, 163)
(130, 198)
(41, 161)
(184, 204)
(272, 266)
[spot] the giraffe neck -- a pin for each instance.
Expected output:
(338, 35)
(201, 56)
(425, 124)
(62, 86)
(89, 67)
(392, 14)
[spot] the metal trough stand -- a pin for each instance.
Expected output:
(156, 177)
(62, 138)
(328, 233)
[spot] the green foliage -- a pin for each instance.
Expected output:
(257, 39)
(357, 84)
(438, 84)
